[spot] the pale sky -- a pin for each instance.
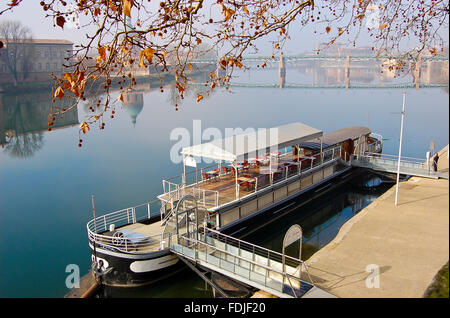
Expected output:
(31, 14)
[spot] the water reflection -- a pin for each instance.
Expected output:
(24, 118)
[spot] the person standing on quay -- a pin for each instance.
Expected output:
(435, 162)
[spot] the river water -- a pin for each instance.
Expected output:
(46, 180)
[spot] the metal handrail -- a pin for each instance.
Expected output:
(250, 261)
(393, 157)
(265, 250)
(121, 218)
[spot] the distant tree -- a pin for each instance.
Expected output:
(140, 33)
(17, 50)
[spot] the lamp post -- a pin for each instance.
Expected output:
(400, 148)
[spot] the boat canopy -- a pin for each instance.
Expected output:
(252, 144)
(337, 137)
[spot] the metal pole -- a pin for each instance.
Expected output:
(95, 229)
(400, 148)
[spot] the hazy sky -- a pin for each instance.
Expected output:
(30, 13)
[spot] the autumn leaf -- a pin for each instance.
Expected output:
(213, 85)
(341, 31)
(198, 41)
(199, 98)
(102, 52)
(60, 20)
(84, 127)
(238, 64)
(383, 26)
(328, 29)
(148, 54)
(190, 66)
(246, 10)
(180, 88)
(127, 4)
(264, 64)
(227, 12)
(13, 3)
(120, 98)
(59, 92)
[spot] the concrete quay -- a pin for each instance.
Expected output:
(406, 244)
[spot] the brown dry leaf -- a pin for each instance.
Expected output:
(227, 13)
(198, 41)
(59, 92)
(199, 97)
(148, 54)
(102, 53)
(120, 98)
(264, 64)
(213, 84)
(341, 31)
(328, 29)
(97, 12)
(60, 21)
(127, 4)
(84, 127)
(238, 64)
(190, 66)
(180, 88)
(246, 10)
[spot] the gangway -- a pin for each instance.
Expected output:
(247, 263)
(277, 274)
(389, 163)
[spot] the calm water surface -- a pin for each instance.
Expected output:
(46, 180)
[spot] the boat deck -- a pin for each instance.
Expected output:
(251, 179)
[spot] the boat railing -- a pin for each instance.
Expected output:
(233, 255)
(104, 230)
(285, 169)
(376, 145)
(391, 159)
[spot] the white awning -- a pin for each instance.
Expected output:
(256, 143)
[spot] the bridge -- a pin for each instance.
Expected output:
(202, 248)
(330, 86)
(346, 67)
(316, 57)
(389, 163)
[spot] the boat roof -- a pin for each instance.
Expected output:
(337, 136)
(254, 143)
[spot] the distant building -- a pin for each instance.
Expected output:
(36, 59)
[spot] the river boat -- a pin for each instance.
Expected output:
(255, 179)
